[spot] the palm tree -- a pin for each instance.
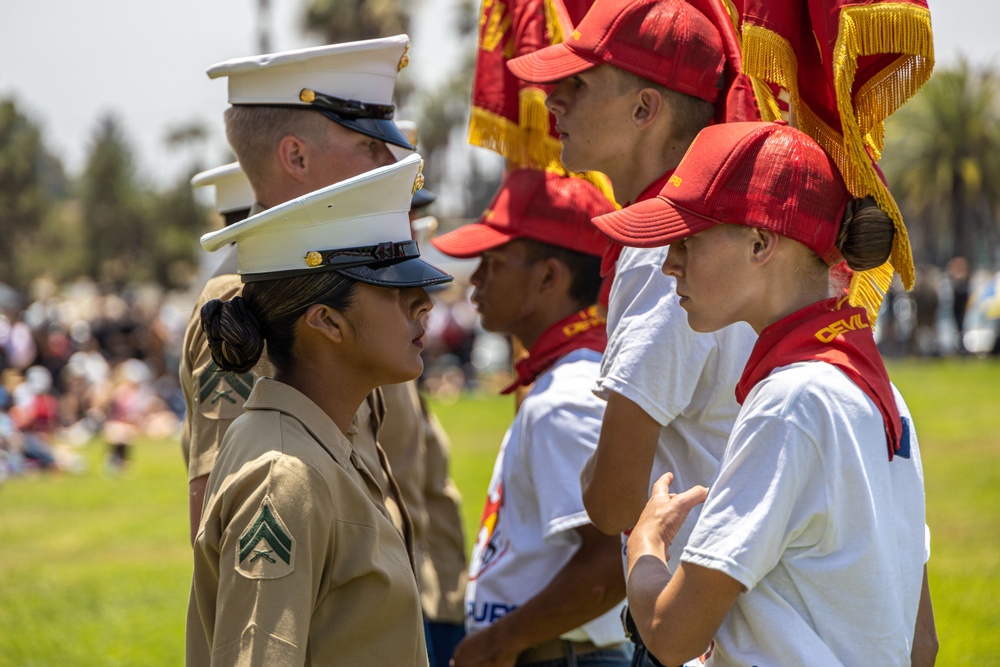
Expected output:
(943, 165)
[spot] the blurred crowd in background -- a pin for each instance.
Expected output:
(77, 363)
(950, 310)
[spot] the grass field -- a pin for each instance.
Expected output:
(94, 569)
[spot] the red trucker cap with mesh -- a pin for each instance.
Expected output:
(538, 205)
(669, 42)
(763, 175)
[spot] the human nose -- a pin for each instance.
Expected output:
(555, 101)
(422, 303)
(672, 264)
(479, 274)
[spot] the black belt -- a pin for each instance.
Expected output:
(556, 649)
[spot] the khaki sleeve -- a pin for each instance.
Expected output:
(273, 554)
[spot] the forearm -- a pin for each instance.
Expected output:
(589, 585)
(925, 641)
(676, 614)
(648, 577)
(672, 630)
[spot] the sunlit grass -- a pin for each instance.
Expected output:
(95, 569)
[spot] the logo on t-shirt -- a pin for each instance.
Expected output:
(491, 544)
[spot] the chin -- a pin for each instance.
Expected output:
(700, 324)
(706, 326)
(415, 369)
(568, 160)
(403, 372)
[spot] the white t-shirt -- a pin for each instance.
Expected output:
(826, 534)
(534, 501)
(684, 380)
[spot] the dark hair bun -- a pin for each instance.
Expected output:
(233, 334)
(866, 234)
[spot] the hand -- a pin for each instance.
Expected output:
(482, 649)
(662, 517)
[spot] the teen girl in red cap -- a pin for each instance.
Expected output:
(811, 545)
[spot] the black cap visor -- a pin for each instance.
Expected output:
(422, 198)
(377, 128)
(413, 272)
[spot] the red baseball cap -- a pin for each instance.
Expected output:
(538, 205)
(764, 175)
(669, 42)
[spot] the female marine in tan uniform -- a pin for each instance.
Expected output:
(296, 559)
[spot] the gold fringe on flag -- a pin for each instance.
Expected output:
(863, 31)
(541, 149)
(496, 133)
(553, 24)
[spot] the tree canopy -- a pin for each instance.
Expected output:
(943, 165)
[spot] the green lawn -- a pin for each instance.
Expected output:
(94, 569)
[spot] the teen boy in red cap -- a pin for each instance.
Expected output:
(544, 584)
(633, 86)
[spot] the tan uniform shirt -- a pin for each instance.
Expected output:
(417, 448)
(296, 560)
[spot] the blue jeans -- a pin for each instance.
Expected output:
(442, 638)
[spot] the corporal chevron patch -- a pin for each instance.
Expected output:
(221, 394)
(266, 549)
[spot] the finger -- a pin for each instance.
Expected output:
(662, 485)
(690, 498)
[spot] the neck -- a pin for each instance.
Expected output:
(638, 173)
(340, 400)
(278, 189)
(530, 332)
(787, 298)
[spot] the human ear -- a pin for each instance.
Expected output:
(648, 105)
(292, 157)
(326, 321)
(764, 242)
(553, 274)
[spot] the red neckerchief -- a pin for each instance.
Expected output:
(582, 329)
(614, 250)
(836, 333)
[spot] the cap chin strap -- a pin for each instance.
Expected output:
(345, 258)
(345, 108)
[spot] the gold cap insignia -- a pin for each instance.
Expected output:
(307, 96)
(418, 182)
(675, 181)
(404, 60)
(313, 258)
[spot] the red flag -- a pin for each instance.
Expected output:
(847, 66)
(509, 115)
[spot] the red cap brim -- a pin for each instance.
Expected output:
(652, 223)
(471, 240)
(553, 63)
